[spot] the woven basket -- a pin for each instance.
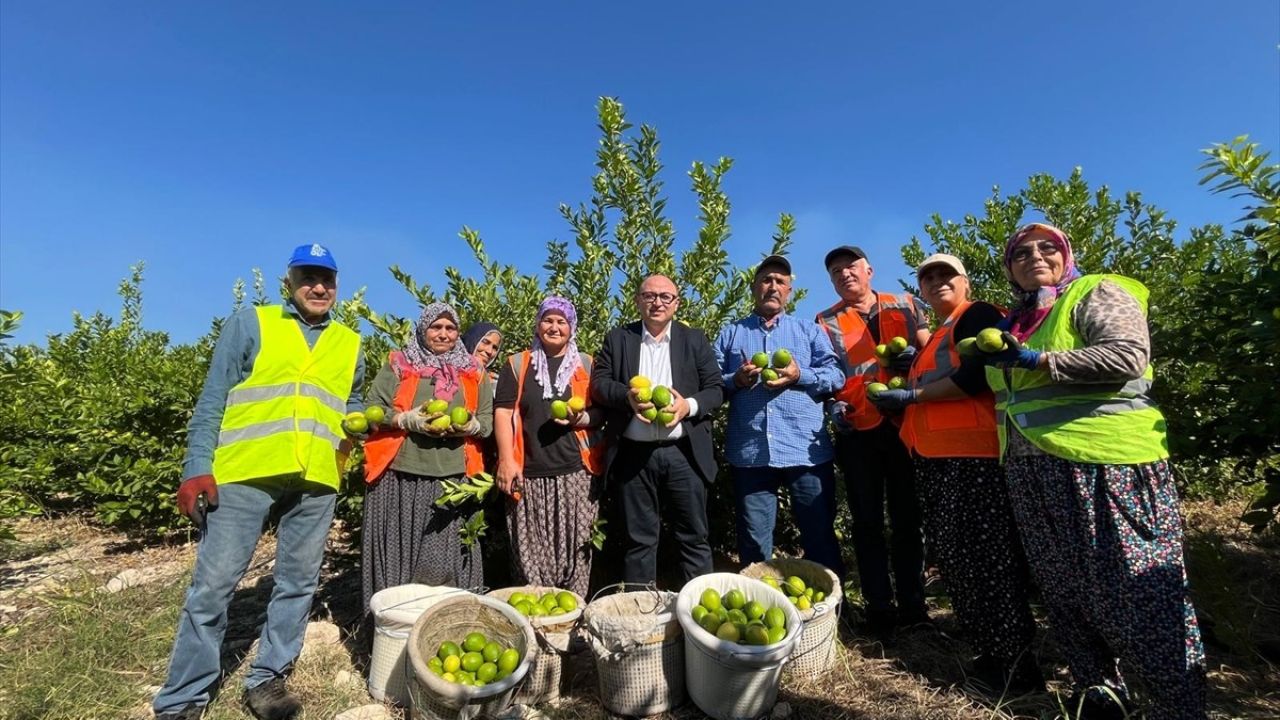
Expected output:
(639, 651)
(395, 610)
(542, 685)
(816, 649)
(434, 698)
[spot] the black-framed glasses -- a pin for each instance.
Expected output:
(652, 297)
(1022, 253)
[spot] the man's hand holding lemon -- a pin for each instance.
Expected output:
(788, 374)
(679, 408)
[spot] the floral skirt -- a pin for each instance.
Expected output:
(550, 530)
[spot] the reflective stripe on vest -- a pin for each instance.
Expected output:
(383, 445)
(849, 332)
(285, 418)
(590, 442)
(958, 427)
(1103, 423)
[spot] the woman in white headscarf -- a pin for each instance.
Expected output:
(550, 455)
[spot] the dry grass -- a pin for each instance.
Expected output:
(71, 651)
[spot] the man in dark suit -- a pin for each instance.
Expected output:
(660, 470)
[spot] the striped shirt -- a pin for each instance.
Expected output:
(778, 428)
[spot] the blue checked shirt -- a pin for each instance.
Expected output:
(778, 428)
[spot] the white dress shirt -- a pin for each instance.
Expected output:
(655, 364)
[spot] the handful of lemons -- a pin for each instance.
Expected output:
(797, 592)
(360, 422)
(476, 661)
(549, 603)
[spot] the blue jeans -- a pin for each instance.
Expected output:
(234, 526)
(813, 503)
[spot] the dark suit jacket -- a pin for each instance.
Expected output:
(694, 374)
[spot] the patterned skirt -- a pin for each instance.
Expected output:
(407, 539)
(550, 530)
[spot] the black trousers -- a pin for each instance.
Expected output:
(657, 481)
(878, 469)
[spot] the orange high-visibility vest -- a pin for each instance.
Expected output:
(897, 318)
(960, 427)
(590, 442)
(381, 447)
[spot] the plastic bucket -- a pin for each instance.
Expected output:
(816, 649)
(542, 684)
(726, 680)
(434, 698)
(395, 610)
(638, 648)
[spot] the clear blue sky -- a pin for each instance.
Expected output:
(210, 138)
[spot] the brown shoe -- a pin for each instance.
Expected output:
(272, 701)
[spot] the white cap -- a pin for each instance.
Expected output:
(950, 261)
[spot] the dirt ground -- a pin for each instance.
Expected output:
(917, 675)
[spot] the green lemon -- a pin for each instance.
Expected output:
(698, 613)
(777, 634)
(796, 585)
(356, 424)
(644, 394)
(472, 660)
(448, 648)
(436, 406)
(442, 423)
(897, 345)
(760, 360)
(665, 418)
(897, 383)
(487, 672)
(559, 409)
(728, 631)
(449, 677)
(661, 397)
(491, 652)
(876, 388)
(757, 635)
(567, 601)
(754, 610)
(775, 617)
(508, 661)
(769, 375)
(990, 340)
(967, 347)
(710, 599)
(882, 351)
(474, 642)
(375, 414)
(782, 358)
(803, 603)
(525, 608)
(771, 581)
(515, 598)
(452, 664)
(459, 416)
(435, 666)
(710, 622)
(737, 617)
(650, 414)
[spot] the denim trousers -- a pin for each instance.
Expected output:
(232, 531)
(812, 489)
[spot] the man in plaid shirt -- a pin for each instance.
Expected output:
(777, 436)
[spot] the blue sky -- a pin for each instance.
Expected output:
(208, 139)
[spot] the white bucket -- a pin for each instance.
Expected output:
(816, 649)
(395, 610)
(726, 680)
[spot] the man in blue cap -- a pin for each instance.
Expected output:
(265, 438)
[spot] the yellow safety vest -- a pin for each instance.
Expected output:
(1103, 423)
(286, 417)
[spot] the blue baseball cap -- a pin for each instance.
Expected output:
(315, 255)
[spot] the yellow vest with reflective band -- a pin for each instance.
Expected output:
(286, 417)
(1112, 423)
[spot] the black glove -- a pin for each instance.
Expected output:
(900, 364)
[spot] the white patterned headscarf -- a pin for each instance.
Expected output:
(572, 360)
(444, 367)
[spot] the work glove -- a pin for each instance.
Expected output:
(190, 490)
(472, 428)
(894, 400)
(836, 411)
(901, 363)
(414, 421)
(1013, 355)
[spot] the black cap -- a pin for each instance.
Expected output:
(853, 250)
(774, 260)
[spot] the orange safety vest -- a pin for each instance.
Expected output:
(383, 445)
(897, 318)
(960, 427)
(590, 442)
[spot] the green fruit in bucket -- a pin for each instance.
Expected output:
(757, 635)
(734, 599)
(710, 599)
(775, 617)
(698, 613)
(472, 661)
(474, 642)
(447, 649)
(567, 601)
(777, 634)
(508, 661)
(486, 673)
(796, 585)
(491, 652)
(754, 610)
(710, 622)
(728, 631)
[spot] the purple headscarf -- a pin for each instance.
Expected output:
(1034, 305)
(418, 359)
(572, 360)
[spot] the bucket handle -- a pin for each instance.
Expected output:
(818, 612)
(402, 603)
(650, 587)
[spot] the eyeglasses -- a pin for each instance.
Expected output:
(652, 297)
(1023, 253)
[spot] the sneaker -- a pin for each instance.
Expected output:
(190, 712)
(272, 701)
